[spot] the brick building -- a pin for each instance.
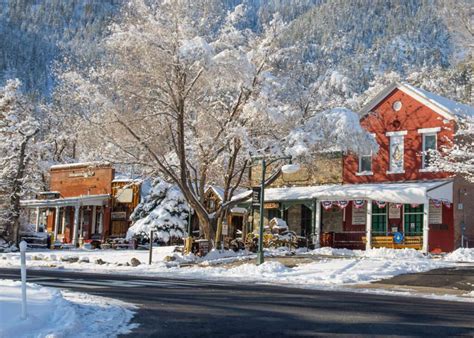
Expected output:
(389, 199)
(86, 203)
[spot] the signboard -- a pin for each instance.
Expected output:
(435, 215)
(256, 195)
(393, 211)
(124, 195)
(119, 215)
(225, 229)
(271, 205)
(359, 215)
(87, 173)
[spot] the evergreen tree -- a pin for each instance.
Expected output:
(163, 210)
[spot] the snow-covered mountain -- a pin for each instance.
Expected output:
(358, 39)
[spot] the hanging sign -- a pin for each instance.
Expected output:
(358, 203)
(256, 195)
(342, 204)
(394, 212)
(326, 204)
(381, 204)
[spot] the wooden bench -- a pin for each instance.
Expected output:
(412, 242)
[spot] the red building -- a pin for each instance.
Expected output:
(407, 122)
(86, 203)
(392, 198)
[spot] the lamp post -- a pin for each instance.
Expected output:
(286, 169)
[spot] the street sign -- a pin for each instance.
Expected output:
(256, 195)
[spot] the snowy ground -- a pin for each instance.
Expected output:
(324, 268)
(54, 313)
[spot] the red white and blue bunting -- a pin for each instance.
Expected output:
(447, 203)
(381, 204)
(437, 203)
(415, 205)
(342, 204)
(326, 204)
(358, 203)
(398, 205)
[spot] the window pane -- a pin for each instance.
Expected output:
(365, 163)
(430, 142)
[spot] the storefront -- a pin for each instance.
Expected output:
(397, 215)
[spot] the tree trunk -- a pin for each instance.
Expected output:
(16, 190)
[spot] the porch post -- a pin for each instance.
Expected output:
(317, 224)
(63, 222)
(101, 221)
(368, 234)
(94, 216)
(426, 226)
(76, 225)
(56, 223)
(37, 224)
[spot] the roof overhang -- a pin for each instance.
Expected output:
(413, 92)
(405, 192)
(86, 200)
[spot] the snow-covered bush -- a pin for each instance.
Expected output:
(163, 210)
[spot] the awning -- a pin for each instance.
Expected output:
(409, 192)
(97, 200)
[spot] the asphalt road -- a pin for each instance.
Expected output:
(194, 308)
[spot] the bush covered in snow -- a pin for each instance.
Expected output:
(163, 210)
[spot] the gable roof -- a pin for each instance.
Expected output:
(447, 108)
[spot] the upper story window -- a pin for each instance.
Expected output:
(365, 164)
(429, 145)
(397, 151)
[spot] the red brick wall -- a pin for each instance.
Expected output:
(68, 182)
(412, 116)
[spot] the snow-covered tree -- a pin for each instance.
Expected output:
(163, 210)
(191, 105)
(18, 154)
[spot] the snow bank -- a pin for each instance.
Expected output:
(461, 255)
(60, 313)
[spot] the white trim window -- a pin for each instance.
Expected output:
(365, 165)
(397, 151)
(429, 145)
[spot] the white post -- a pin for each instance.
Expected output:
(76, 225)
(63, 222)
(23, 246)
(368, 231)
(56, 224)
(426, 226)
(37, 225)
(94, 217)
(101, 221)
(317, 228)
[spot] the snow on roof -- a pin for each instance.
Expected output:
(443, 106)
(219, 191)
(453, 107)
(80, 165)
(409, 192)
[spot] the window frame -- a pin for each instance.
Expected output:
(376, 212)
(407, 214)
(423, 148)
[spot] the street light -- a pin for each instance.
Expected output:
(286, 169)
